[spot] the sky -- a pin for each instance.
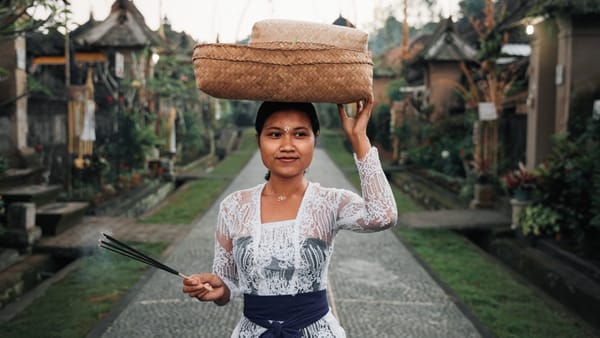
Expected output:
(232, 20)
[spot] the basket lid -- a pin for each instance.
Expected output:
(281, 30)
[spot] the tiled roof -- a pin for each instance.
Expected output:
(124, 27)
(446, 45)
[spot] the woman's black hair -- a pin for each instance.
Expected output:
(268, 108)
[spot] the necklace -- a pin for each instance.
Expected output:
(281, 197)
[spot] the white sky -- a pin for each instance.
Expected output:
(233, 19)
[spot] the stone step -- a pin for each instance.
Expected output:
(55, 218)
(457, 219)
(35, 193)
(8, 257)
(22, 276)
(15, 177)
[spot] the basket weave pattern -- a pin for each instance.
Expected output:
(292, 30)
(283, 71)
(288, 60)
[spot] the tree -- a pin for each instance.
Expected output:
(487, 81)
(19, 16)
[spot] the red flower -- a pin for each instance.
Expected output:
(520, 178)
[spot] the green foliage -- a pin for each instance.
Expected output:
(564, 182)
(393, 90)
(35, 86)
(390, 35)
(3, 73)
(193, 141)
(539, 220)
(328, 115)
(173, 79)
(382, 126)
(440, 145)
(132, 142)
(243, 112)
(16, 16)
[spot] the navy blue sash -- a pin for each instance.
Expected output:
(285, 316)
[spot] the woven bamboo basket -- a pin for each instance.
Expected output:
(304, 31)
(283, 71)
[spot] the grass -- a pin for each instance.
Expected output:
(72, 306)
(504, 305)
(192, 199)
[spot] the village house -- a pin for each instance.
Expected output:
(563, 83)
(49, 134)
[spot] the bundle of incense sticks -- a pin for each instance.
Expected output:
(112, 244)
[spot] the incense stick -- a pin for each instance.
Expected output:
(116, 246)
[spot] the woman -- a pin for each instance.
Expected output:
(274, 241)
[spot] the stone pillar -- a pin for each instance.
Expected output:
(542, 93)
(21, 216)
(21, 232)
(564, 72)
(20, 121)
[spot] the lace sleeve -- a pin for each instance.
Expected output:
(223, 264)
(376, 209)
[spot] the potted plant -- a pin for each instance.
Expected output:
(538, 220)
(520, 182)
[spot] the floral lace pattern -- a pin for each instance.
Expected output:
(292, 256)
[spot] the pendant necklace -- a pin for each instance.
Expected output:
(281, 197)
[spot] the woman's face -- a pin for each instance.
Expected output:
(287, 143)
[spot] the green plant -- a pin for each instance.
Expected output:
(393, 90)
(194, 140)
(538, 220)
(134, 139)
(3, 74)
(566, 182)
(520, 182)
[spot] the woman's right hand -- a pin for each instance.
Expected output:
(207, 287)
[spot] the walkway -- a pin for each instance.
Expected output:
(378, 289)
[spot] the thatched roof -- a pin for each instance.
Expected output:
(341, 21)
(125, 27)
(447, 45)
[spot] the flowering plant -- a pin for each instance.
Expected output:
(520, 178)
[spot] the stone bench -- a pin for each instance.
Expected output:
(55, 218)
(36, 193)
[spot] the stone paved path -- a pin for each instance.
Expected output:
(377, 288)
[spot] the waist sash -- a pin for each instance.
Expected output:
(285, 316)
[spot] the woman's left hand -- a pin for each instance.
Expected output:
(355, 128)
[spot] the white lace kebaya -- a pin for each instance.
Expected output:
(292, 256)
